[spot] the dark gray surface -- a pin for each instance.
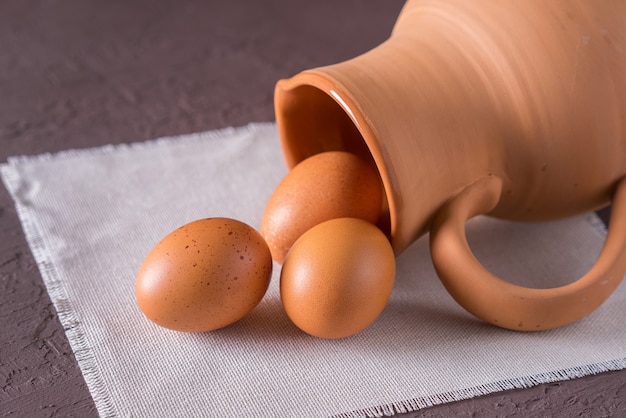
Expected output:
(77, 74)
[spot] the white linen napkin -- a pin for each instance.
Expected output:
(91, 216)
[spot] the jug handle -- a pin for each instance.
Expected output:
(511, 306)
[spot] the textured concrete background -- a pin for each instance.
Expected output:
(84, 73)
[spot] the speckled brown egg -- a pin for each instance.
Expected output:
(337, 278)
(204, 275)
(328, 185)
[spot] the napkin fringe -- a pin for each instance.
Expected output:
(66, 314)
(416, 404)
(83, 347)
(71, 325)
(252, 127)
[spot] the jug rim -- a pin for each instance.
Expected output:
(333, 89)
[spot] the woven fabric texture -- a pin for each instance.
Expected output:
(91, 216)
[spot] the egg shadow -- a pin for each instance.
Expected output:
(267, 323)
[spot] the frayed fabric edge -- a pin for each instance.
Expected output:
(83, 352)
(251, 128)
(71, 325)
(416, 404)
(10, 176)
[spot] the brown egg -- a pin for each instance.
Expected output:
(337, 278)
(325, 186)
(204, 275)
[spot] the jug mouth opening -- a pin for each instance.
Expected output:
(314, 114)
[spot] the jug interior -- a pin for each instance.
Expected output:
(311, 121)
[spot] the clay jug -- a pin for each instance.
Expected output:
(512, 109)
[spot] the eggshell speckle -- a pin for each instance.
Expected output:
(204, 275)
(337, 278)
(328, 185)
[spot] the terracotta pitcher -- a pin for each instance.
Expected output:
(512, 109)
